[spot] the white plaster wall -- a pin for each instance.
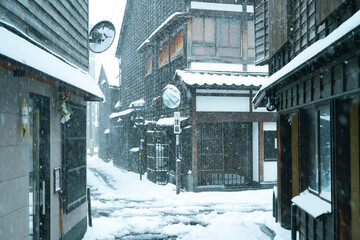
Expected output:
(270, 171)
(222, 104)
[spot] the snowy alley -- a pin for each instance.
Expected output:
(123, 207)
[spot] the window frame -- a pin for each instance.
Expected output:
(148, 62)
(201, 46)
(177, 43)
(317, 150)
(164, 51)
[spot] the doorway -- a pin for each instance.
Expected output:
(224, 154)
(39, 168)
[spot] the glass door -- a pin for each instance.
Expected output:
(39, 168)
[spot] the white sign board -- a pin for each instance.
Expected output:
(177, 129)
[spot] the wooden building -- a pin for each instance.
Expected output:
(222, 137)
(45, 84)
(312, 48)
(107, 133)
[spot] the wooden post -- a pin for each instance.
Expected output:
(178, 175)
(89, 207)
(61, 214)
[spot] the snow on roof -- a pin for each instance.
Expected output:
(122, 113)
(111, 69)
(310, 53)
(25, 52)
(137, 103)
(107, 131)
(196, 78)
(135, 149)
(166, 22)
(312, 204)
(117, 104)
(168, 122)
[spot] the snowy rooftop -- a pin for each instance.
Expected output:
(308, 54)
(25, 52)
(122, 113)
(197, 78)
(312, 204)
(137, 103)
(117, 104)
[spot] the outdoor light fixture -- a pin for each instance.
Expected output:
(273, 104)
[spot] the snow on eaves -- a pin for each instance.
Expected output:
(166, 22)
(312, 204)
(196, 78)
(122, 113)
(117, 105)
(310, 53)
(137, 103)
(168, 122)
(25, 52)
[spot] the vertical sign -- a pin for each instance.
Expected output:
(177, 128)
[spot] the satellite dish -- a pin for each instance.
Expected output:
(171, 96)
(101, 36)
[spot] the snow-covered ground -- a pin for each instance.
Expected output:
(124, 207)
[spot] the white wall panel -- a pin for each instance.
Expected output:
(222, 104)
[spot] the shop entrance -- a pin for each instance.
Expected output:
(39, 164)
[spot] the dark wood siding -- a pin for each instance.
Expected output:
(61, 26)
(278, 33)
(331, 80)
(326, 7)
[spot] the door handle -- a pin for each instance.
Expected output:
(42, 198)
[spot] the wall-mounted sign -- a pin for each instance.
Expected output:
(57, 179)
(177, 128)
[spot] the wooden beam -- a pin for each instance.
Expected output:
(354, 169)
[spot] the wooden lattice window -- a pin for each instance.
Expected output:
(163, 52)
(304, 30)
(148, 64)
(177, 43)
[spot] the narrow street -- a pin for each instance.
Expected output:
(123, 207)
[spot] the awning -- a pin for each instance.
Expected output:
(312, 204)
(206, 78)
(122, 113)
(306, 56)
(42, 59)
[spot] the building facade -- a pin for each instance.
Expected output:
(315, 86)
(206, 50)
(44, 88)
(106, 131)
